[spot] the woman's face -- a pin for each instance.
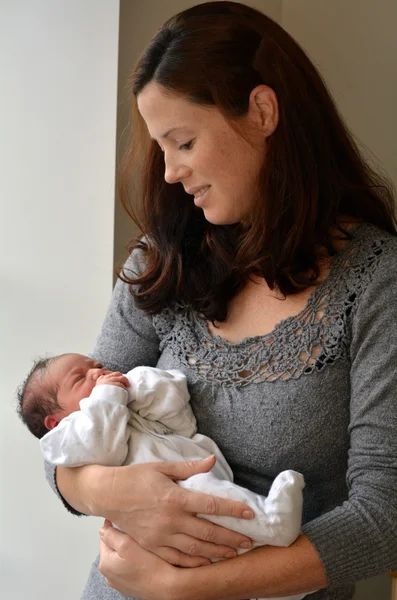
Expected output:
(205, 154)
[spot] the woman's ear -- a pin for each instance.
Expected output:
(263, 109)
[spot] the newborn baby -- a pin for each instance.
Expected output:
(86, 414)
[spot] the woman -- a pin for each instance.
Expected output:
(267, 273)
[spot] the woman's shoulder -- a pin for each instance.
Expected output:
(136, 261)
(174, 321)
(371, 237)
(362, 278)
(371, 253)
(164, 321)
(366, 273)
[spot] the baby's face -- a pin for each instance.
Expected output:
(75, 376)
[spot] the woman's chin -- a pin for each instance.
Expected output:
(216, 218)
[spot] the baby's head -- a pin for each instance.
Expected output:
(53, 390)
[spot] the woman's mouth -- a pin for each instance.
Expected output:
(199, 196)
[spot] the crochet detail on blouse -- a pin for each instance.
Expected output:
(298, 345)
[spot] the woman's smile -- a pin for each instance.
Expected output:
(199, 197)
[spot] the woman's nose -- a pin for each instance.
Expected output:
(175, 172)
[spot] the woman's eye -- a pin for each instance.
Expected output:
(186, 146)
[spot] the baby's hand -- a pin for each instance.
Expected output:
(114, 378)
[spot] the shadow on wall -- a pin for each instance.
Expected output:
(377, 588)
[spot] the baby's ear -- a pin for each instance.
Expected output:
(51, 421)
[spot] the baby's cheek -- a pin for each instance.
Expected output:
(89, 386)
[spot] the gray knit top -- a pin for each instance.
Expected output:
(318, 394)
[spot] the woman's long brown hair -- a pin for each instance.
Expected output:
(215, 54)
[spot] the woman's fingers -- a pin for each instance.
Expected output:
(201, 529)
(191, 553)
(132, 570)
(198, 503)
(115, 542)
(179, 559)
(194, 547)
(185, 469)
(112, 537)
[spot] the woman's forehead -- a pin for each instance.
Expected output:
(164, 112)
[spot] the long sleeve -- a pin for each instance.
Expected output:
(128, 338)
(162, 396)
(363, 531)
(96, 434)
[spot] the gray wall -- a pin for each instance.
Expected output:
(354, 44)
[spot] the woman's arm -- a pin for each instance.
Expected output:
(359, 538)
(79, 487)
(262, 573)
(331, 550)
(145, 502)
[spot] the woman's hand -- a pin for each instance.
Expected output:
(131, 570)
(147, 504)
(263, 573)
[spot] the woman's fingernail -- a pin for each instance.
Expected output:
(231, 554)
(245, 545)
(248, 514)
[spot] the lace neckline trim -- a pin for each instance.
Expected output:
(340, 257)
(307, 342)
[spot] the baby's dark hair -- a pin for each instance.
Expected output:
(37, 399)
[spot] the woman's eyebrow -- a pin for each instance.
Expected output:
(167, 133)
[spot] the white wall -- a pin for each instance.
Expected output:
(58, 63)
